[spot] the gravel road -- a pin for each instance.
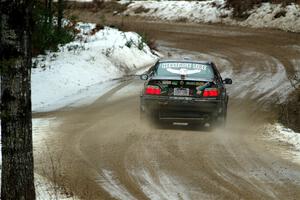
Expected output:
(103, 151)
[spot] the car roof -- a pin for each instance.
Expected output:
(184, 61)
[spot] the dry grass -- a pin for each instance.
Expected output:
(61, 183)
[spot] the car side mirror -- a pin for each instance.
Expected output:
(227, 81)
(144, 77)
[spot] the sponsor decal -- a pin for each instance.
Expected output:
(192, 66)
(184, 68)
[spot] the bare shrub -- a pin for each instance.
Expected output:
(281, 13)
(97, 28)
(182, 19)
(61, 179)
(145, 30)
(141, 9)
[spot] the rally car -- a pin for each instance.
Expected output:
(184, 91)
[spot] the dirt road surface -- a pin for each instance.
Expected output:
(103, 151)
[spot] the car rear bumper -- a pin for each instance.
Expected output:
(182, 109)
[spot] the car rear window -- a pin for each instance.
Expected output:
(190, 70)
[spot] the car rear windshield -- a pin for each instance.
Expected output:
(189, 69)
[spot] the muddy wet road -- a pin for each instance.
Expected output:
(103, 151)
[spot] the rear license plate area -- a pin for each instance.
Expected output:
(181, 92)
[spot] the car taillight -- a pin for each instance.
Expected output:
(211, 92)
(153, 90)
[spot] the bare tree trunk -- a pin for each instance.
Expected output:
(46, 13)
(50, 13)
(16, 123)
(60, 15)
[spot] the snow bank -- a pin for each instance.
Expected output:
(274, 16)
(193, 11)
(81, 67)
(267, 15)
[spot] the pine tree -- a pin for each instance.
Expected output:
(16, 118)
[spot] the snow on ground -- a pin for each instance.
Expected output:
(193, 11)
(274, 16)
(113, 186)
(162, 185)
(285, 135)
(85, 69)
(214, 11)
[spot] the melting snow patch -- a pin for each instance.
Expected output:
(113, 186)
(162, 186)
(286, 135)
